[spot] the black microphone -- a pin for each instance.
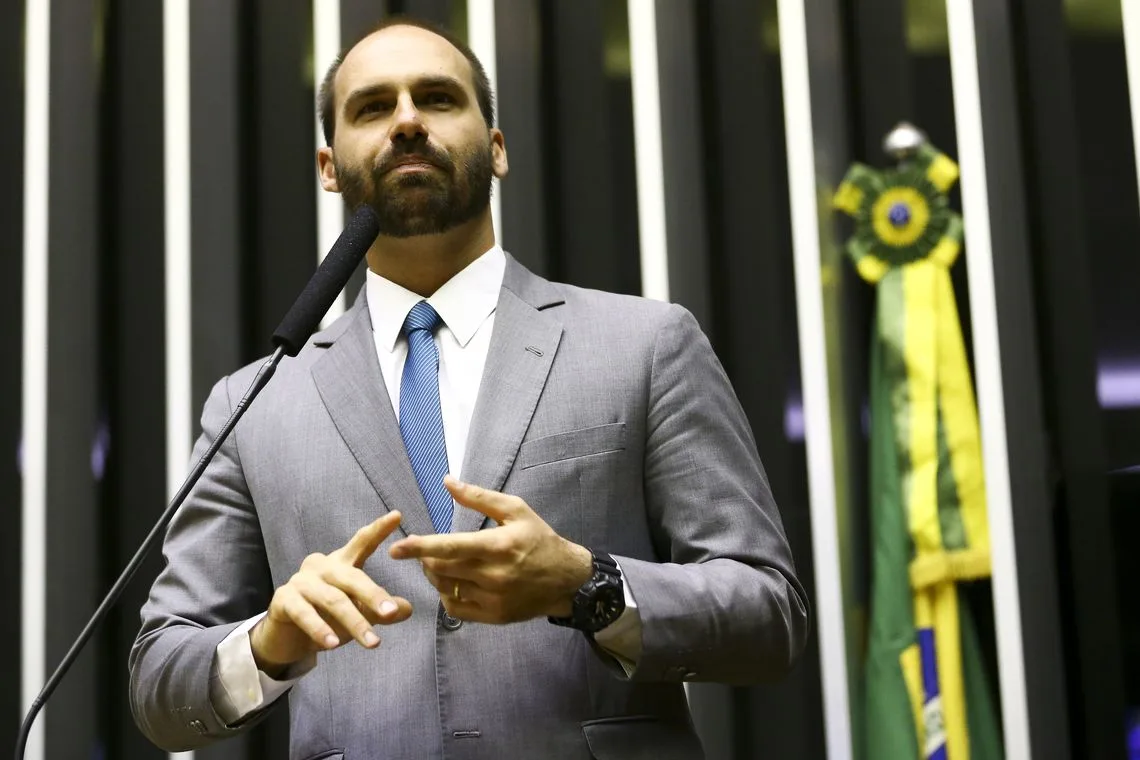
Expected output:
(299, 323)
(302, 320)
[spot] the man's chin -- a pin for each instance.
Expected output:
(407, 231)
(410, 222)
(413, 182)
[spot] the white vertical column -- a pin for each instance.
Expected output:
(33, 613)
(176, 174)
(649, 158)
(803, 193)
(648, 155)
(481, 40)
(330, 206)
(1130, 9)
(987, 356)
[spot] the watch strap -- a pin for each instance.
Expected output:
(603, 564)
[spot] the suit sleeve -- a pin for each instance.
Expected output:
(724, 604)
(216, 576)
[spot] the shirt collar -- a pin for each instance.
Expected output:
(463, 303)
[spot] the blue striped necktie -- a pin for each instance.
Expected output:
(421, 419)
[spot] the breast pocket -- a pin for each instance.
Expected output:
(573, 444)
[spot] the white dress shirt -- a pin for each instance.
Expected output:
(466, 306)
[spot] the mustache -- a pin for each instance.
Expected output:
(429, 154)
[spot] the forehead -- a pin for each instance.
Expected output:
(400, 55)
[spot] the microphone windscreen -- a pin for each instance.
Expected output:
(328, 281)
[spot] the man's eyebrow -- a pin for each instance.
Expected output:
(423, 83)
(441, 80)
(366, 92)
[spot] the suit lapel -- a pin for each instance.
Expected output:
(523, 346)
(350, 384)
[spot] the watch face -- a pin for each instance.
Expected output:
(608, 604)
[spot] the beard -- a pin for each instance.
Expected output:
(420, 203)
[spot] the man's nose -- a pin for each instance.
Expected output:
(407, 124)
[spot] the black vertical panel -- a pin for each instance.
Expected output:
(218, 226)
(590, 141)
(73, 565)
(134, 488)
(754, 323)
(681, 144)
(438, 11)
(1025, 426)
(518, 41)
(11, 314)
(881, 72)
(279, 193)
(358, 17)
(1073, 416)
(281, 161)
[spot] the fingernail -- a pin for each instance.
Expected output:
(331, 641)
(371, 639)
(387, 607)
(457, 484)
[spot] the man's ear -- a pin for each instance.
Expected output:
(499, 163)
(327, 169)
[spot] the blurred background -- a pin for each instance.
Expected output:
(161, 212)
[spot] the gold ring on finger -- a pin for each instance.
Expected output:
(455, 593)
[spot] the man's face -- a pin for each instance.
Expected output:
(410, 140)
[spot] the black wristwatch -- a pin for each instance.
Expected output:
(599, 601)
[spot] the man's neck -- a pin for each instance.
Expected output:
(423, 264)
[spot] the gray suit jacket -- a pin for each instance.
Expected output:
(611, 417)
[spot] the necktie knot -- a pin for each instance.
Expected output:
(421, 317)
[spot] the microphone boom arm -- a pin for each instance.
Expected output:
(264, 374)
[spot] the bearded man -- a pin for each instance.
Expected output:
(482, 515)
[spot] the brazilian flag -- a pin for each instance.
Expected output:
(927, 693)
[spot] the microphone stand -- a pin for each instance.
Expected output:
(264, 374)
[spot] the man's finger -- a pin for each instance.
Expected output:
(478, 545)
(469, 610)
(360, 547)
(353, 581)
(305, 616)
(500, 507)
(335, 606)
(466, 569)
(470, 595)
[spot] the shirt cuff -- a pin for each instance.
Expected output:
(240, 688)
(622, 638)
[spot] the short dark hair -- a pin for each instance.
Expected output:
(326, 97)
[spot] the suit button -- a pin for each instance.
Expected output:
(448, 622)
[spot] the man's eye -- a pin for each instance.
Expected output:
(440, 98)
(372, 107)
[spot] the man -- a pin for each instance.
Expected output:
(612, 534)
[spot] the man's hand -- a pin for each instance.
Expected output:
(517, 571)
(328, 602)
